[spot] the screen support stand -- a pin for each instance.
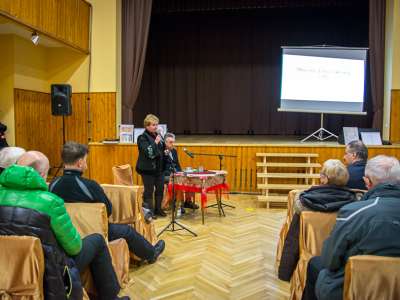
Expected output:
(319, 134)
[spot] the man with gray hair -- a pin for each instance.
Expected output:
(9, 156)
(367, 227)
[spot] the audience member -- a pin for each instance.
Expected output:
(3, 141)
(149, 165)
(9, 156)
(27, 208)
(368, 227)
(355, 157)
(171, 163)
(327, 197)
(72, 187)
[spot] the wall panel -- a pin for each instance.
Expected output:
(241, 170)
(64, 20)
(395, 117)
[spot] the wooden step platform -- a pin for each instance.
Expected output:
(286, 154)
(287, 175)
(288, 165)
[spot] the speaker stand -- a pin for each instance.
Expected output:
(58, 168)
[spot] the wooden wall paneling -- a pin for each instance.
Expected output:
(395, 116)
(103, 116)
(35, 127)
(104, 157)
(65, 20)
(76, 125)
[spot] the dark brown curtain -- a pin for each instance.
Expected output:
(377, 9)
(135, 27)
(219, 71)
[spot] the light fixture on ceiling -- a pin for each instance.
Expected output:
(35, 38)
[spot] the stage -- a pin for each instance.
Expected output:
(241, 168)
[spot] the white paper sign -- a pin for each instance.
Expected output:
(350, 134)
(137, 132)
(126, 133)
(371, 137)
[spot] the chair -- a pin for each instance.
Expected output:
(91, 218)
(21, 268)
(285, 227)
(123, 175)
(371, 277)
(127, 209)
(315, 227)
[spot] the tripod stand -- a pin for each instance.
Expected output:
(171, 225)
(220, 205)
(63, 143)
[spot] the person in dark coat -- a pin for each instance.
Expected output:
(171, 163)
(327, 197)
(73, 187)
(150, 164)
(362, 228)
(3, 140)
(355, 157)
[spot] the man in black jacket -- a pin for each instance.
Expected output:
(355, 157)
(171, 163)
(366, 227)
(72, 187)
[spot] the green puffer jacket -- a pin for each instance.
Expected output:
(24, 187)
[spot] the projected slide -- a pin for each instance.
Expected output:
(322, 79)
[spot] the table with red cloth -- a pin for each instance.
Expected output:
(201, 182)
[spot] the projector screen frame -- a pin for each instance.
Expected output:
(319, 111)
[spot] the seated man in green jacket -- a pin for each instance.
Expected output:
(24, 186)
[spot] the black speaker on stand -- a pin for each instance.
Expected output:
(61, 106)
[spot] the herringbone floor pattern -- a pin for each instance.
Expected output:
(232, 257)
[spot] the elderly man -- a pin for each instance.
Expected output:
(9, 156)
(27, 208)
(363, 227)
(355, 157)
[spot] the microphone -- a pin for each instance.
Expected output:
(188, 152)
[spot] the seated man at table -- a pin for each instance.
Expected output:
(171, 162)
(72, 187)
(355, 157)
(368, 227)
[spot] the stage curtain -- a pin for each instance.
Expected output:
(135, 27)
(220, 71)
(377, 10)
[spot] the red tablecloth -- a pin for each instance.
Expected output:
(199, 182)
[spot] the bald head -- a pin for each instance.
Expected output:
(36, 160)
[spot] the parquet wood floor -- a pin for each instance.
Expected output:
(232, 257)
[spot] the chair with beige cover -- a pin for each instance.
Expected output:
(123, 175)
(91, 218)
(127, 209)
(371, 277)
(315, 227)
(21, 268)
(285, 227)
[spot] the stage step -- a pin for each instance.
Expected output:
(272, 198)
(287, 154)
(283, 186)
(287, 175)
(289, 165)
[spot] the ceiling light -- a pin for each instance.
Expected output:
(35, 38)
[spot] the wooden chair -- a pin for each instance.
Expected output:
(371, 277)
(21, 268)
(91, 218)
(315, 227)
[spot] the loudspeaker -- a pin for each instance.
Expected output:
(61, 99)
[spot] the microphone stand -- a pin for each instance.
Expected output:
(171, 225)
(220, 156)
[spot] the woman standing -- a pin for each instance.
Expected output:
(149, 164)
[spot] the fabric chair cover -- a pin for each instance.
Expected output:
(285, 227)
(371, 277)
(91, 218)
(21, 268)
(123, 175)
(127, 209)
(315, 227)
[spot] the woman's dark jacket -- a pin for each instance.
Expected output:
(150, 160)
(322, 198)
(25, 221)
